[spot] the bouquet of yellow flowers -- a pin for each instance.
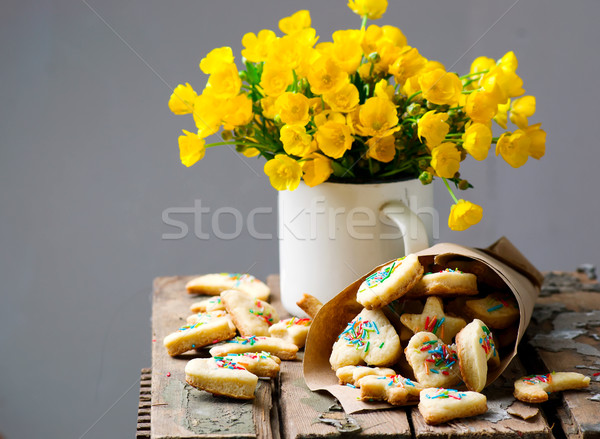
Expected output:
(363, 107)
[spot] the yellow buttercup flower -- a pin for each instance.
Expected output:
(501, 117)
(290, 50)
(268, 107)
(237, 112)
(382, 149)
(463, 215)
(284, 172)
(502, 83)
(292, 108)
(482, 63)
(445, 160)
(378, 117)
(191, 148)
(224, 83)
(384, 89)
(296, 141)
(477, 140)
(433, 127)
(208, 113)
(317, 170)
(441, 87)
(346, 50)
(325, 76)
(182, 99)
(481, 106)
(216, 60)
(334, 139)
(275, 78)
(295, 22)
(257, 47)
(409, 63)
(537, 136)
(372, 9)
(411, 86)
(394, 35)
(514, 148)
(250, 152)
(509, 61)
(521, 109)
(387, 54)
(343, 100)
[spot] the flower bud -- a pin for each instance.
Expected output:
(463, 185)
(226, 135)
(423, 164)
(413, 109)
(240, 131)
(243, 75)
(277, 119)
(426, 177)
(374, 57)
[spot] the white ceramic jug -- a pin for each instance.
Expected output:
(332, 234)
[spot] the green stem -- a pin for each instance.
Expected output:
(468, 92)
(450, 190)
(468, 75)
(410, 98)
(363, 25)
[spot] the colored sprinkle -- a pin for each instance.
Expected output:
(537, 379)
(350, 385)
(153, 340)
(298, 322)
(168, 374)
(596, 374)
(381, 345)
(494, 308)
(446, 393)
(358, 332)
(381, 275)
(193, 346)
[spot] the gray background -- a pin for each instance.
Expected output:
(89, 161)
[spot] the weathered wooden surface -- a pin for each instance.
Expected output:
(179, 410)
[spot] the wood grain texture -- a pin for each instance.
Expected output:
(179, 410)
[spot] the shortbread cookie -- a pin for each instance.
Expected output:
(475, 347)
(238, 345)
(208, 329)
(310, 305)
(251, 316)
(205, 316)
(214, 284)
(233, 381)
(433, 319)
(353, 374)
(497, 311)
(434, 363)
(390, 283)
(442, 405)
(261, 364)
(212, 304)
(485, 275)
(394, 389)
(369, 338)
(293, 330)
(448, 282)
(535, 388)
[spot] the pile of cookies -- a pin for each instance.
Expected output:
(247, 337)
(454, 322)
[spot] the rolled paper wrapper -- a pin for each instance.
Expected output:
(519, 275)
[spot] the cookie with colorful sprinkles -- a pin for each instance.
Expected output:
(434, 363)
(261, 364)
(536, 388)
(394, 389)
(475, 348)
(293, 330)
(251, 316)
(448, 282)
(369, 338)
(274, 346)
(438, 405)
(498, 311)
(209, 328)
(353, 374)
(212, 304)
(433, 319)
(390, 282)
(213, 284)
(221, 378)
(203, 316)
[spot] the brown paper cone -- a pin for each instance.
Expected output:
(519, 275)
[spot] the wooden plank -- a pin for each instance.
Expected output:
(566, 337)
(496, 422)
(179, 410)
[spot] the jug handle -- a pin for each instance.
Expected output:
(412, 228)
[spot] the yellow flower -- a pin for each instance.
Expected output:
(346, 50)
(514, 148)
(284, 172)
(317, 169)
(481, 106)
(408, 64)
(521, 109)
(441, 87)
(433, 127)
(537, 148)
(216, 60)
(250, 152)
(275, 78)
(463, 215)
(295, 140)
(387, 53)
(502, 83)
(268, 106)
(384, 89)
(295, 22)
(501, 117)
(378, 117)
(482, 63)
(509, 61)
(224, 83)
(445, 160)
(375, 37)
(191, 148)
(373, 9)
(182, 99)
(477, 140)
(334, 138)
(237, 112)
(208, 111)
(292, 108)
(291, 50)
(382, 149)
(257, 47)
(343, 100)
(325, 76)
(394, 35)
